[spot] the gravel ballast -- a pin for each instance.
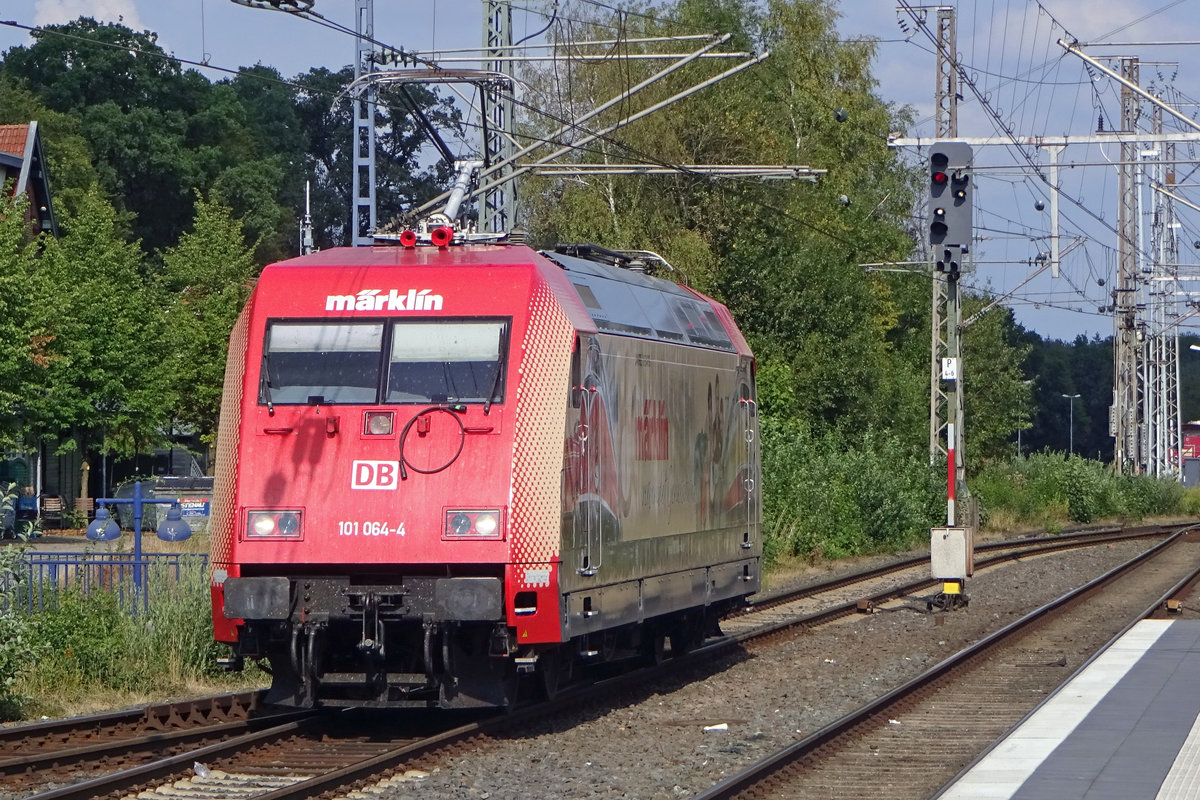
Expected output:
(654, 743)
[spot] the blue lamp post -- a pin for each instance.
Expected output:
(172, 529)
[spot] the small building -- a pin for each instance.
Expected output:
(23, 162)
(1191, 453)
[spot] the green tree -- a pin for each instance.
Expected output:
(156, 132)
(86, 63)
(266, 191)
(997, 402)
(207, 278)
(106, 386)
(1083, 367)
(401, 180)
(251, 190)
(23, 353)
(785, 257)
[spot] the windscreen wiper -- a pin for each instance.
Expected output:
(264, 380)
(487, 404)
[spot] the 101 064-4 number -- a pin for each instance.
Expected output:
(369, 528)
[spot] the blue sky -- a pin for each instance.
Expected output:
(1032, 86)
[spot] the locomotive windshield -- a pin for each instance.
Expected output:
(445, 361)
(322, 363)
(460, 361)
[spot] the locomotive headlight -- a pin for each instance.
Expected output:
(288, 524)
(482, 523)
(263, 525)
(378, 423)
(486, 524)
(273, 524)
(460, 524)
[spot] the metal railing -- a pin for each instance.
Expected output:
(44, 575)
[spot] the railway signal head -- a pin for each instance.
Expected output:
(949, 261)
(950, 192)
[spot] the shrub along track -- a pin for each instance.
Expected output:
(316, 756)
(913, 740)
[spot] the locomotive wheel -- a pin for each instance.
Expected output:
(686, 635)
(658, 648)
(511, 682)
(551, 670)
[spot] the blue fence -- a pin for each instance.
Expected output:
(44, 574)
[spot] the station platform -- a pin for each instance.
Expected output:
(1127, 727)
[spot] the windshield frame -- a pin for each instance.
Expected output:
(270, 389)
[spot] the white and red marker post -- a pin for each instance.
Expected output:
(950, 475)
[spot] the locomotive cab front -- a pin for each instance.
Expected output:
(366, 525)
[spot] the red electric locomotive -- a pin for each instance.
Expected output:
(439, 468)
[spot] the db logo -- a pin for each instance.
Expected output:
(375, 475)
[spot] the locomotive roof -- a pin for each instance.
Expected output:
(632, 303)
(394, 256)
(619, 300)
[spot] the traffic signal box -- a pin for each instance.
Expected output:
(950, 193)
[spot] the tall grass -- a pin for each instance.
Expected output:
(87, 645)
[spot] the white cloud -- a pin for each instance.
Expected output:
(57, 12)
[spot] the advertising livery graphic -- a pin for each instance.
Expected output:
(628, 480)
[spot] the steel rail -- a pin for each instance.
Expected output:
(128, 779)
(342, 778)
(161, 716)
(375, 765)
(1186, 583)
(121, 747)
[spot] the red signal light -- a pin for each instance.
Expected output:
(940, 177)
(408, 239)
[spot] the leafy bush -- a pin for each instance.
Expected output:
(1083, 490)
(83, 639)
(1189, 502)
(16, 640)
(91, 639)
(74, 519)
(833, 496)
(1144, 496)
(1046, 489)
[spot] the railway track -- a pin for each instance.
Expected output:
(41, 753)
(790, 610)
(1001, 551)
(914, 739)
(310, 756)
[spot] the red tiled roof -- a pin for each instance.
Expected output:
(12, 139)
